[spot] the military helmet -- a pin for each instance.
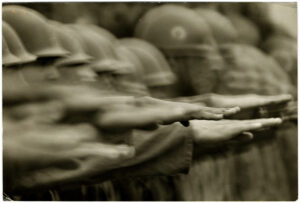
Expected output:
(69, 42)
(222, 28)
(170, 25)
(156, 69)
(15, 45)
(129, 71)
(247, 30)
(101, 31)
(129, 58)
(97, 46)
(33, 30)
(8, 59)
(249, 70)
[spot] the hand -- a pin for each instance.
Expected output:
(252, 106)
(43, 156)
(193, 111)
(113, 111)
(21, 93)
(248, 101)
(242, 101)
(211, 132)
(211, 113)
(39, 112)
(290, 112)
(147, 111)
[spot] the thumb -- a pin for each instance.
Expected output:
(244, 137)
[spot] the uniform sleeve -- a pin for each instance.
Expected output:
(165, 151)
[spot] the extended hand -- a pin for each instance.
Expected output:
(242, 101)
(147, 110)
(42, 156)
(210, 132)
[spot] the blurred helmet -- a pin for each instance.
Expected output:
(33, 30)
(247, 31)
(260, 14)
(156, 70)
(15, 45)
(249, 70)
(229, 7)
(97, 46)
(101, 31)
(8, 59)
(129, 58)
(69, 42)
(129, 75)
(171, 25)
(284, 50)
(222, 29)
(277, 41)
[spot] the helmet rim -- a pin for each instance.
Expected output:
(51, 52)
(78, 58)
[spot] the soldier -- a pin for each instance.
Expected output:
(153, 66)
(155, 70)
(122, 54)
(74, 68)
(44, 44)
(202, 70)
(32, 179)
(123, 170)
(153, 62)
(24, 153)
(53, 177)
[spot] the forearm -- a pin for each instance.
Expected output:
(166, 151)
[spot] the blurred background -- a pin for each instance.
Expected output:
(121, 18)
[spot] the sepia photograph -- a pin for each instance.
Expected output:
(149, 101)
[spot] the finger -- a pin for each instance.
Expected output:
(231, 111)
(271, 122)
(252, 101)
(208, 116)
(243, 137)
(266, 122)
(241, 127)
(225, 111)
(270, 100)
